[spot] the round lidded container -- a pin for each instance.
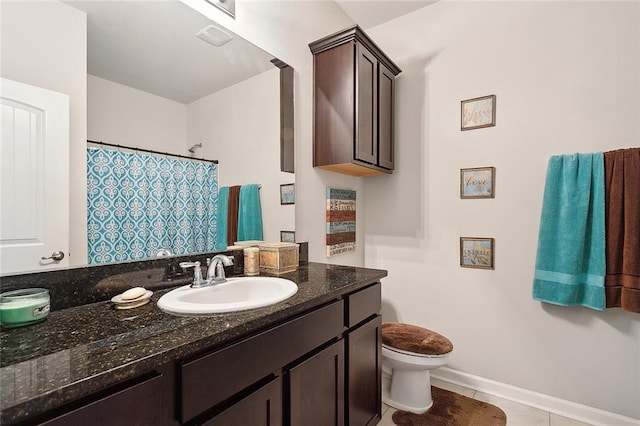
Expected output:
(251, 261)
(24, 307)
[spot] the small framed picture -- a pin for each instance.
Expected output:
(478, 112)
(476, 252)
(477, 182)
(287, 193)
(287, 236)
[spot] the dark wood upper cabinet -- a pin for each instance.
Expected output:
(287, 154)
(354, 85)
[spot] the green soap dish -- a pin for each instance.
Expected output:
(24, 307)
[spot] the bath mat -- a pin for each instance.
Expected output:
(452, 409)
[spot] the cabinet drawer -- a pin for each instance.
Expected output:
(363, 304)
(209, 380)
(137, 404)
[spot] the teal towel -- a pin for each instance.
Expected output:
(249, 213)
(221, 228)
(570, 264)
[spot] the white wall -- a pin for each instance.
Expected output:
(45, 44)
(122, 115)
(567, 79)
(245, 138)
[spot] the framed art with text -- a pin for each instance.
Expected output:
(477, 113)
(288, 193)
(476, 252)
(477, 182)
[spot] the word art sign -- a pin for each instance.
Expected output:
(341, 221)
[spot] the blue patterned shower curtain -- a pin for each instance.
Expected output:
(139, 204)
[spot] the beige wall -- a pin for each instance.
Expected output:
(122, 115)
(567, 79)
(45, 44)
(245, 138)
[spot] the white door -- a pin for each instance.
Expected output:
(34, 177)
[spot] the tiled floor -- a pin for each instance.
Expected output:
(517, 414)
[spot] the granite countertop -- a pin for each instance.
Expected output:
(82, 349)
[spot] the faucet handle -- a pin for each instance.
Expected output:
(197, 273)
(185, 265)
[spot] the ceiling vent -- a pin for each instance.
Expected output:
(214, 35)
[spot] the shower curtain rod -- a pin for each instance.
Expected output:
(151, 151)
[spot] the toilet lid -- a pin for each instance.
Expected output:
(411, 338)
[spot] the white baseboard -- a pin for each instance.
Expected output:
(544, 402)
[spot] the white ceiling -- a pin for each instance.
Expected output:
(369, 13)
(151, 45)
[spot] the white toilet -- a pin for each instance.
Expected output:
(408, 354)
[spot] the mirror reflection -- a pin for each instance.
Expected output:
(162, 77)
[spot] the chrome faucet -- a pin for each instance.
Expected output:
(215, 273)
(215, 270)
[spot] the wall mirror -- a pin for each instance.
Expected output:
(166, 78)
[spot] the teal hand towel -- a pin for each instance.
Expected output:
(249, 213)
(570, 263)
(221, 228)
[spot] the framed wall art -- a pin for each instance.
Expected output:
(477, 113)
(288, 193)
(476, 252)
(341, 221)
(478, 182)
(287, 236)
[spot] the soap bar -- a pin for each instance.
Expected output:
(133, 293)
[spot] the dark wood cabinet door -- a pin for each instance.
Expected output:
(334, 88)
(364, 374)
(138, 404)
(317, 389)
(386, 88)
(366, 145)
(261, 408)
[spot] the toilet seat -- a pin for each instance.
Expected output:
(413, 340)
(400, 351)
(411, 361)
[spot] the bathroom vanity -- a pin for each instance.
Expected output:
(312, 359)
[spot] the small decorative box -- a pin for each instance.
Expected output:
(278, 258)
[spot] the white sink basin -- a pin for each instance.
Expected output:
(235, 295)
